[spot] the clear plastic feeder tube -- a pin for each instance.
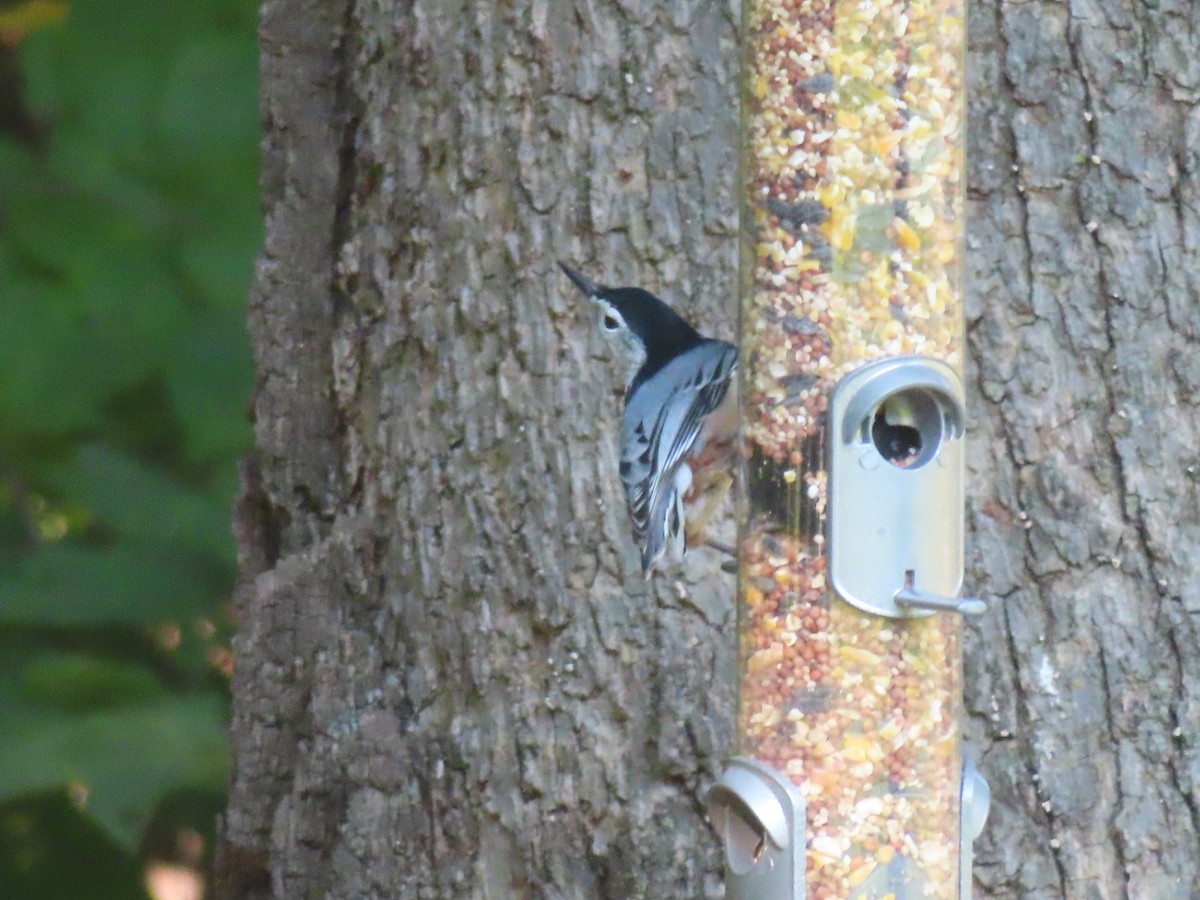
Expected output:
(852, 232)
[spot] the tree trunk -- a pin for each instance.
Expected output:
(451, 681)
(1083, 321)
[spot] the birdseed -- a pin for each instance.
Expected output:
(853, 115)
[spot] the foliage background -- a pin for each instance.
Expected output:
(129, 218)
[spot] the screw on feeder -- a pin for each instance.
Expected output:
(907, 598)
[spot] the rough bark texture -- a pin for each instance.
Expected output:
(1083, 323)
(451, 681)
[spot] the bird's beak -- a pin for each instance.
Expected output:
(589, 288)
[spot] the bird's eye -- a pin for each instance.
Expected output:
(611, 322)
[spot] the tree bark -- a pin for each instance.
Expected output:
(451, 681)
(1083, 244)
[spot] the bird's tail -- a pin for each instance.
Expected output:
(666, 532)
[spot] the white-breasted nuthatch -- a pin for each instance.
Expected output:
(680, 418)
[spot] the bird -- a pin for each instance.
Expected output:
(679, 425)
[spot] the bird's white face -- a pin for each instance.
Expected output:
(613, 323)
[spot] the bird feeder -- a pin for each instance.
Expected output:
(850, 780)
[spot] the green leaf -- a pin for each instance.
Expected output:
(66, 584)
(110, 271)
(17, 166)
(14, 534)
(46, 363)
(102, 267)
(209, 115)
(67, 234)
(121, 760)
(50, 851)
(83, 66)
(126, 249)
(79, 683)
(209, 382)
(220, 260)
(134, 315)
(146, 504)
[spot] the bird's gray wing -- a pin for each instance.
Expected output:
(663, 418)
